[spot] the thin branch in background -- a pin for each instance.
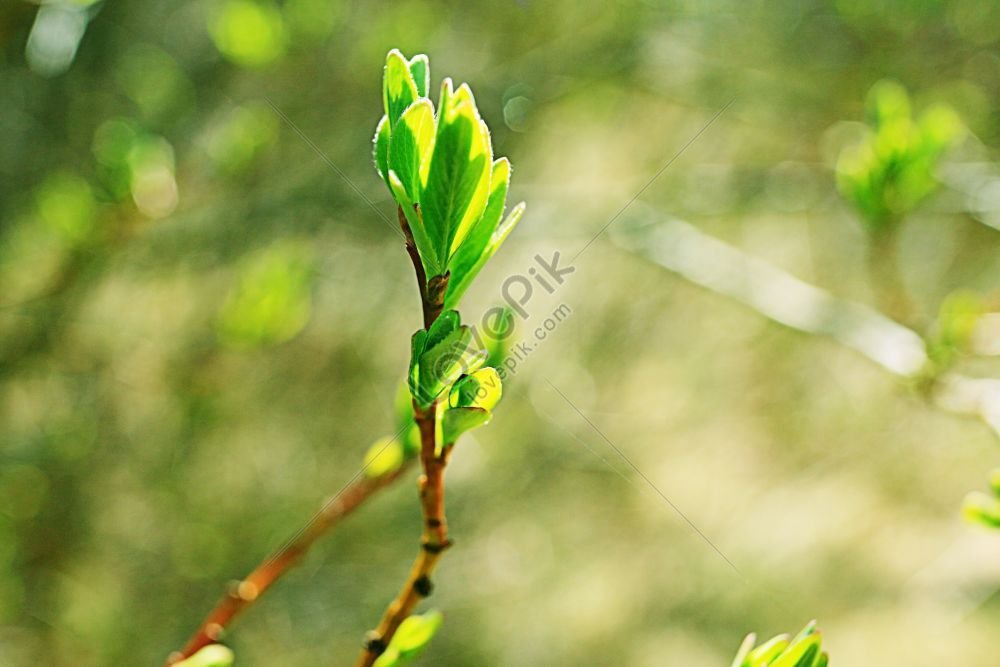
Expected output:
(783, 298)
(244, 593)
(654, 177)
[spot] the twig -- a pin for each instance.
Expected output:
(242, 594)
(434, 540)
(783, 298)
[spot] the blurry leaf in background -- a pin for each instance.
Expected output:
(134, 162)
(311, 19)
(956, 323)
(65, 203)
(56, 35)
(518, 105)
(384, 456)
(892, 169)
(983, 508)
(236, 139)
(213, 655)
(155, 81)
(249, 33)
(111, 146)
(23, 489)
(151, 164)
(11, 585)
(271, 302)
(414, 634)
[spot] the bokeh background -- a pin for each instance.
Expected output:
(202, 325)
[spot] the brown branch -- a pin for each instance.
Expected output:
(242, 594)
(433, 543)
(418, 264)
(434, 540)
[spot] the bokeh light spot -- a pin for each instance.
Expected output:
(249, 33)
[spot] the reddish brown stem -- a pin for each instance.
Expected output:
(433, 542)
(242, 594)
(434, 459)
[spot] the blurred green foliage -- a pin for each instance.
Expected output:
(249, 32)
(984, 508)
(892, 169)
(952, 333)
(272, 302)
(149, 452)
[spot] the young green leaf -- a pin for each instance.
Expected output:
(411, 147)
(420, 69)
(425, 246)
(389, 658)
(456, 171)
(481, 154)
(768, 651)
(465, 263)
(801, 654)
(213, 655)
(402, 403)
(445, 98)
(481, 389)
(440, 170)
(742, 655)
(803, 650)
(417, 344)
(416, 632)
(384, 457)
(496, 240)
(447, 321)
(498, 332)
(444, 363)
(398, 88)
(380, 150)
(457, 421)
(471, 402)
(982, 509)
(412, 637)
